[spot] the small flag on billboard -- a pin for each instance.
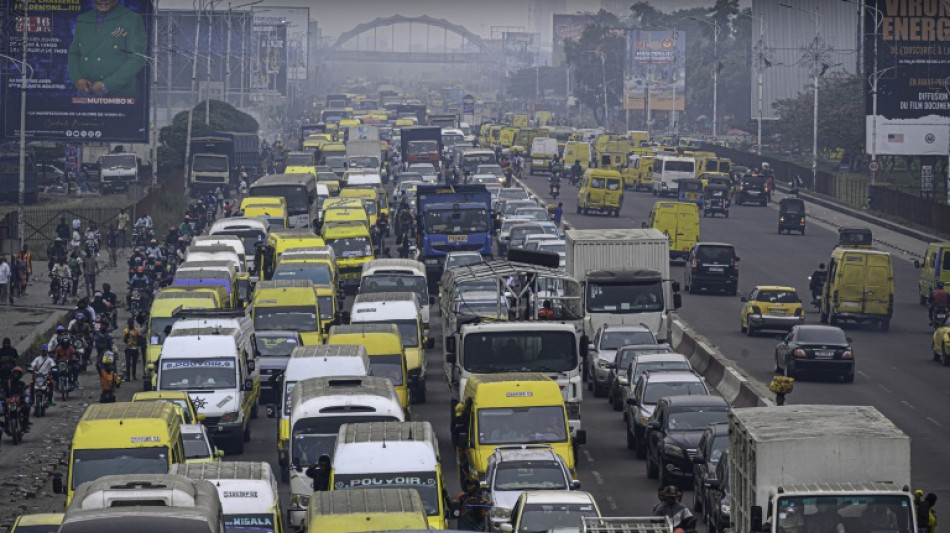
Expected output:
(895, 137)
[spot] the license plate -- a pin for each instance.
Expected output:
(824, 354)
(458, 238)
(850, 305)
(716, 269)
(753, 193)
(776, 311)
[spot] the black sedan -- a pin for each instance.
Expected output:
(808, 348)
(673, 435)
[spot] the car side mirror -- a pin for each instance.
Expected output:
(251, 365)
(677, 300)
(248, 384)
(58, 483)
(848, 339)
(271, 410)
(580, 437)
(610, 366)
(743, 299)
(201, 417)
(917, 263)
(575, 484)
(675, 286)
(219, 454)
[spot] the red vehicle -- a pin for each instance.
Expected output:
(422, 144)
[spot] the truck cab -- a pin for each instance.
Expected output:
(452, 219)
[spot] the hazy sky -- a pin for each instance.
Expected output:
(336, 16)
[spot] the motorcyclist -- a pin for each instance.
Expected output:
(184, 229)
(103, 342)
(58, 334)
(108, 379)
(99, 304)
(154, 250)
(172, 237)
(554, 181)
(65, 352)
(14, 387)
(108, 295)
(576, 171)
(55, 250)
(60, 271)
(671, 507)
(42, 365)
(817, 281)
(939, 299)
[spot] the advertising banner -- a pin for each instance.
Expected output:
(88, 69)
(297, 22)
(520, 50)
(913, 64)
(655, 70)
(269, 61)
(176, 47)
(567, 27)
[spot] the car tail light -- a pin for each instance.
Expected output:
(695, 264)
(847, 355)
(799, 353)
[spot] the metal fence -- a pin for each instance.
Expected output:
(924, 211)
(784, 170)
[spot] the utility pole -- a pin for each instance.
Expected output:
(153, 128)
(227, 59)
(208, 79)
(673, 125)
(21, 191)
(715, 71)
(191, 106)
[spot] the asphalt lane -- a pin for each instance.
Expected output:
(895, 371)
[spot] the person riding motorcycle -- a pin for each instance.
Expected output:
(154, 250)
(66, 352)
(184, 229)
(60, 271)
(139, 281)
(671, 507)
(939, 299)
(55, 250)
(816, 282)
(172, 237)
(576, 171)
(42, 365)
(14, 387)
(108, 379)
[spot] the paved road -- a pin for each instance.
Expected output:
(895, 373)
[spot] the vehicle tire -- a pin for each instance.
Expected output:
(885, 324)
(945, 359)
(733, 291)
(750, 331)
(778, 369)
(662, 477)
(692, 289)
(652, 471)
(823, 317)
(420, 392)
(788, 372)
(742, 329)
(64, 393)
(631, 442)
(590, 381)
(726, 214)
(15, 431)
(640, 445)
(285, 474)
(599, 390)
(849, 377)
(780, 230)
(803, 232)
(697, 505)
(237, 447)
(923, 300)
(617, 403)
(254, 411)
(616, 213)
(246, 435)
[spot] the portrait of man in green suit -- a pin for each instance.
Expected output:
(108, 51)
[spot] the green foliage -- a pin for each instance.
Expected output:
(224, 117)
(598, 55)
(840, 115)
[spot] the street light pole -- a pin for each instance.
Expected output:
(208, 80)
(817, 71)
(715, 72)
(21, 191)
(191, 106)
(154, 126)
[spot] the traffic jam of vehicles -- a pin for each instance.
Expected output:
(369, 277)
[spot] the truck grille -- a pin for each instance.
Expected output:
(211, 421)
(351, 270)
(457, 248)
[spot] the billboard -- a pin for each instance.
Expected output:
(88, 70)
(655, 70)
(521, 50)
(222, 39)
(269, 58)
(297, 22)
(913, 60)
(567, 27)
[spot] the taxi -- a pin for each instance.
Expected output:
(181, 399)
(37, 523)
(771, 307)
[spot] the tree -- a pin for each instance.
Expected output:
(224, 117)
(598, 55)
(840, 115)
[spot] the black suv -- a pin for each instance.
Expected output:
(712, 265)
(753, 189)
(712, 445)
(673, 434)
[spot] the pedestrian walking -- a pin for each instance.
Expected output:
(28, 259)
(112, 243)
(558, 214)
(5, 275)
(89, 269)
(75, 271)
(122, 226)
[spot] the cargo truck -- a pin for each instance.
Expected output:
(117, 171)
(216, 161)
(421, 144)
(452, 219)
(818, 468)
(625, 276)
(363, 154)
(444, 121)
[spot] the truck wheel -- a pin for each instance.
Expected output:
(237, 446)
(885, 324)
(640, 445)
(652, 471)
(246, 435)
(631, 442)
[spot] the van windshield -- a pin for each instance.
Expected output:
(678, 166)
(205, 373)
(520, 351)
(318, 273)
(293, 317)
(327, 311)
(196, 447)
(275, 346)
(377, 283)
(387, 366)
(89, 465)
(298, 199)
(248, 238)
(145, 523)
(522, 425)
(456, 221)
(624, 298)
(408, 332)
(425, 483)
(351, 247)
(313, 437)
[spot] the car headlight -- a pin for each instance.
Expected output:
(622, 380)
(235, 416)
(500, 513)
(672, 449)
(602, 363)
(724, 508)
(299, 501)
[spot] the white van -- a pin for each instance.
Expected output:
(206, 266)
(365, 180)
(216, 253)
(247, 490)
(311, 362)
(399, 275)
(668, 170)
(392, 455)
(249, 230)
(213, 360)
(216, 241)
(402, 309)
(543, 150)
(319, 406)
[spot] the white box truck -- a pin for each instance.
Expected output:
(625, 275)
(809, 468)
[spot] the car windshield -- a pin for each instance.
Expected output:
(513, 194)
(490, 169)
(532, 213)
(627, 355)
(387, 366)
(522, 425)
(611, 340)
(249, 238)
(659, 365)
(530, 475)
(275, 346)
(204, 373)
(456, 222)
(821, 336)
(559, 248)
(697, 418)
(519, 351)
(381, 283)
(457, 260)
(542, 517)
(196, 447)
(318, 273)
(425, 483)
(298, 200)
(292, 317)
(624, 298)
(89, 465)
(715, 254)
(351, 247)
(656, 390)
(518, 233)
(778, 297)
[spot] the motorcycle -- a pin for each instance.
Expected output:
(42, 395)
(60, 290)
(82, 351)
(137, 301)
(815, 295)
(63, 381)
(938, 317)
(555, 190)
(13, 419)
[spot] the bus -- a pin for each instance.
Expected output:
(300, 191)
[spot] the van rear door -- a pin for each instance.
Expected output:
(877, 285)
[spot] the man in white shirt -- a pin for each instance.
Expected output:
(5, 280)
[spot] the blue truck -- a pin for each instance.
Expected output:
(452, 219)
